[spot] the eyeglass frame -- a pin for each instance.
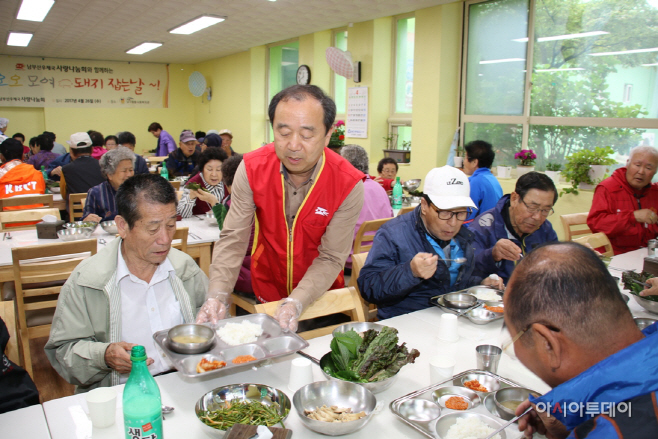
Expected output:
(534, 210)
(520, 334)
(455, 214)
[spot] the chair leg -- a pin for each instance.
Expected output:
(25, 348)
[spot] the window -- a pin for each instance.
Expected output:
(340, 82)
(400, 118)
(282, 73)
(586, 77)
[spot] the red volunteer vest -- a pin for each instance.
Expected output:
(279, 258)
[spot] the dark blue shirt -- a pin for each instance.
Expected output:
(101, 201)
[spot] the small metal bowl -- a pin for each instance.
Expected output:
(216, 398)
(481, 316)
(649, 305)
(109, 227)
(491, 383)
(644, 322)
(480, 292)
(446, 421)
(419, 410)
(442, 394)
(375, 387)
(511, 394)
(74, 234)
(359, 327)
(412, 184)
(82, 225)
(459, 300)
(338, 393)
(492, 304)
(190, 329)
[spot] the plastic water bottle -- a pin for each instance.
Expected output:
(142, 406)
(397, 197)
(45, 177)
(164, 172)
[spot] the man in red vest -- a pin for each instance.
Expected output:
(305, 199)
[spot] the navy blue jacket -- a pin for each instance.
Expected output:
(489, 228)
(62, 160)
(386, 279)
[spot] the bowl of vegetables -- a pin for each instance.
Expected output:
(633, 283)
(372, 359)
(91, 225)
(251, 404)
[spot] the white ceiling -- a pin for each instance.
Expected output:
(105, 29)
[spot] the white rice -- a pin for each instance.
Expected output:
(240, 333)
(490, 295)
(469, 428)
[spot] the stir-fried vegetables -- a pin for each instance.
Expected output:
(243, 412)
(634, 287)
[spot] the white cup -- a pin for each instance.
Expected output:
(441, 368)
(448, 328)
(301, 373)
(102, 404)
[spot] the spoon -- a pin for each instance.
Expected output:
(514, 419)
(457, 260)
(166, 409)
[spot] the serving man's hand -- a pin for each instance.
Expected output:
(506, 249)
(287, 314)
(423, 265)
(214, 309)
(653, 287)
(117, 356)
(541, 423)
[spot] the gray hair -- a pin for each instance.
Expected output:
(357, 156)
(644, 149)
(4, 122)
(110, 160)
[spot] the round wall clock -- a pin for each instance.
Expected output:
(304, 75)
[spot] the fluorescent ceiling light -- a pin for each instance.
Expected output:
(34, 10)
(565, 37)
(650, 65)
(496, 61)
(21, 39)
(560, 70)
(625, 52)
(143, 48)
(197, 24)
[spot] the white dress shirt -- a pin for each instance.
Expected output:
(147, 308)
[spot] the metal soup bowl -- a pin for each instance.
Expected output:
(359, 327)
(334, 393)
(82, 225)
(191, 329)
(109, 227)
(374, 387)
(516, 394)
(74, 234)
(644, 322)
(459, 300)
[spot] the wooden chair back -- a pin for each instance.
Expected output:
(33, 216)
(179, 195)
(596, 241)
(406, 210)
(27, 202)
(342, 300)
(175, 184)
(366, 234)
(574, 224)
(155, 160)
(181, 233)
(76, 205)
(8, 315)
(358, 261)
(38, 282)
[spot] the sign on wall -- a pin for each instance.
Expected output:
(356, 124)
(73, 83)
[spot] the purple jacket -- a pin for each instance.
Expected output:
(166, 144)
(42, 158)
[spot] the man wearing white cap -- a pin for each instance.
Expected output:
(83, 172)
(421, 254)
(227, 139)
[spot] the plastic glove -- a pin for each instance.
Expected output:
(215, 308)
(287, 314)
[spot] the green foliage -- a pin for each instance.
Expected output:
(555, 167)
(576, 170)
(391, 141)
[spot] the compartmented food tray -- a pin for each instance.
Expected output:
(423, 410)
(477, 314)
(273, 343)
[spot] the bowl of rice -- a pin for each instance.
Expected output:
(234, 334)
(485, 294)
(467, 426)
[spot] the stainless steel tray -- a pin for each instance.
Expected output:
(272, 343)
(476, 314)
(486, 407)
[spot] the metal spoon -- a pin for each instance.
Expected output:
(514, 419)
(457, 260)
(166, 409)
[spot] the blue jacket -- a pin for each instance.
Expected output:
(485, 191)
(140, 165)
(62, 160)
(489, 228)
(386, 278)
(628, 376)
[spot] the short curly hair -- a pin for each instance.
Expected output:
(109, 162)
(229, 167)
(357, 156)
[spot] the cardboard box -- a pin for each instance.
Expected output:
(49, 230)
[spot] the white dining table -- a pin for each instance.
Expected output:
(29, 422)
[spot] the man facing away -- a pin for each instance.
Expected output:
(485, 189)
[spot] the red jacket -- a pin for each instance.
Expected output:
(281, 255)
(612, 212)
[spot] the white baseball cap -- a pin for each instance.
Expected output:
(448, 188)
(79, 140)
(227, 132)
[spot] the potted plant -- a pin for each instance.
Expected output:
(526, 158)
(337, 140)
(399, 155)
(587, 168)
(459, 157)
(553, 171)
(504, 170)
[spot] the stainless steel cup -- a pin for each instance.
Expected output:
(652, 246)
(488, 357)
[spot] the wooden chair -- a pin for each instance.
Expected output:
(20, 203)
(358, 261)
(155, 160)
(175, 184)
(8, 315)
(596, 241)
(406, 210)
(342, 300)
(181, 233)
(38, 283)
(24, 216)
(179, 195)
(76, 205)
(579, 223)
(366, 234)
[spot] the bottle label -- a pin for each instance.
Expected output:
(149, 430)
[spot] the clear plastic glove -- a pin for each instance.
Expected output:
(288, 314)
(215, 308)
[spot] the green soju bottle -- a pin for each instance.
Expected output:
(45, 177)
(142, 407)
(164, 172)
(397, 196)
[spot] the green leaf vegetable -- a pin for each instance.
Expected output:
(634, 287)
(196, 187)
(374, 357)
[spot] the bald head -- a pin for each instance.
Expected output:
(641, 166)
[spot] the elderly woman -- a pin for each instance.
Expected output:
(209, 179)
(117, 165)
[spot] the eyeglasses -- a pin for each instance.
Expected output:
(534, 210)
(446, 215)
(518, 335)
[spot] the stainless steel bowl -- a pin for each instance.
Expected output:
(446, 421)
(644, 322)
(359, 327)
(338, 393)
(375, 387)
(190, 329)
(412, 184)
(109, 227)
(649, 305)
(216, 398)
(74, 234)
(508, 394)
(482, 291)
(491, 383)
(442, 394)
(492, 303)
(82, 225)
(459, 300)
(419, 410)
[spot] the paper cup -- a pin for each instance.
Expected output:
(441, 368)
(448, 328)
(301, 373)
(102, 404)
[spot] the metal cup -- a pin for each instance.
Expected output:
(488, 357)
(652, 246)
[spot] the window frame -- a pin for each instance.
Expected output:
(395, 119)
(268, 124)
(334, 34)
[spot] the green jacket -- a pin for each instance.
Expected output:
(88, 315)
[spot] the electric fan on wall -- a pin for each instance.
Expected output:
(341, 62)
(198, 86)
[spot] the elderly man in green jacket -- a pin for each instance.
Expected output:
(132, 288)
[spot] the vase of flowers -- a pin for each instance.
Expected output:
(337, 140)
(526, 159)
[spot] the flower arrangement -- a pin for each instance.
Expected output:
(526, 156)
(338, 136)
